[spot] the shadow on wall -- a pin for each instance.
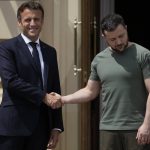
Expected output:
(8, 10)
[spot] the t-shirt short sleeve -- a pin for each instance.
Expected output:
(145, 63)
(94, 74)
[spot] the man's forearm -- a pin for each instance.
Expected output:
(147, 113)
(81, 96)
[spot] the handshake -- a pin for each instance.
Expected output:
(53, 100)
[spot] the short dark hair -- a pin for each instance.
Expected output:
(111, 21)
(32, 5)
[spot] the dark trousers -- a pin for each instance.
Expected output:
(120, 140)
(37, 141)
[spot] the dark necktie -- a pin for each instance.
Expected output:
(35, 55)
(36, 59)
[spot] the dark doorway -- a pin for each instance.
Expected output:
(136, 18)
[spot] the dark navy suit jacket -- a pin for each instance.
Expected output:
(22, 96)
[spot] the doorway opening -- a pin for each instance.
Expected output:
(135, 15)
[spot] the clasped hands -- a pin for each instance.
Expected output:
(53, 100)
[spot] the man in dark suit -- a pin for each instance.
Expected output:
(26, 120)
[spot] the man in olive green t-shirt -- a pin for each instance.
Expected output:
(121, 73)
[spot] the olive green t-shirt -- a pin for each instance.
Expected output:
(123, 92)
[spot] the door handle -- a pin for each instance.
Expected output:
(95, 31)
(76, 68)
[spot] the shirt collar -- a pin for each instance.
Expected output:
(27, 40)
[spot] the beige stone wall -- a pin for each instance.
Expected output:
(8, 23)
(59, 31)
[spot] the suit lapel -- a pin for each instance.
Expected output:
(24, 48)
(45, 60)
